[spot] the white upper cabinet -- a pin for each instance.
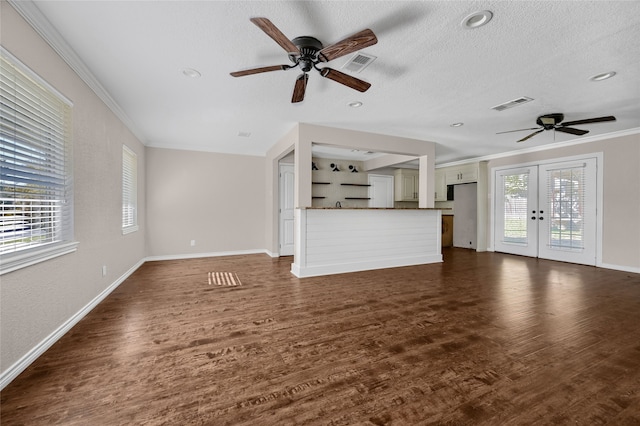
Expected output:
(466, 173)
(406, 185)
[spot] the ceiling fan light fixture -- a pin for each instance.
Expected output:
(477, 19)
(603, 76)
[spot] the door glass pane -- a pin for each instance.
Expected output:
(566, 197)
(516, 188)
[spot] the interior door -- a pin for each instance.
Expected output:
(286, 221)
(548, 211)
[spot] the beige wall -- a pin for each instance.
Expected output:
(621, 194)
(37, 300)
(218, 200)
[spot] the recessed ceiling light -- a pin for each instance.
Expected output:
(457, 124)
(603, 76)
(244, 134)
(190, 72)
(477, 19)
(356, 104)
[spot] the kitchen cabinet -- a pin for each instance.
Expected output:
(461, 174)
(440, 185)
(406, 185)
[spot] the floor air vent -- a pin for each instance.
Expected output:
(511, 104)
(223, 278)
(358, 62)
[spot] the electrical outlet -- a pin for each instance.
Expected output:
(104, 270)
(193, 243)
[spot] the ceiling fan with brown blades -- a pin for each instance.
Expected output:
(554, 122)
(307, 53)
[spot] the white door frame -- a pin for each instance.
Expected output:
(285, 214)
(599, 201)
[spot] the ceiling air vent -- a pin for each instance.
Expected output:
(511, 104)
(358, 62)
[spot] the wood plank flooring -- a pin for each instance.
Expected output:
(481, 339)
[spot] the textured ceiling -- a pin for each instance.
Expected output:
(430, 72)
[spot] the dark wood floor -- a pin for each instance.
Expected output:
(482, 339)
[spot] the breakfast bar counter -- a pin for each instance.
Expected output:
(339, 240)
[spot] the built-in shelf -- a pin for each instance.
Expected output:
(318, 197)
(354, 184)
(357, 198)
(321, 183)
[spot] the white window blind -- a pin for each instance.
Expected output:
(129, 190)
(516, 192)
(566, 198)
(36, 191)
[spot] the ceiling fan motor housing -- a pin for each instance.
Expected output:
(549, 121)
(309, 48)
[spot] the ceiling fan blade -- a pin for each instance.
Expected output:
(347, 80)
(531, 135)
(351, 44)
(519, 130)
(589, 120)
(272, 31)
(572, 130)
(259, 70)
(299, 88)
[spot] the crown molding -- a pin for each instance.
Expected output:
(577, 141)
(34, 17)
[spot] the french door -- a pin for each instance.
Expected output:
(548, 211)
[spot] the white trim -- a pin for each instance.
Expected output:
(622, 268)
(30, 12)
(272, 254)
(19, 366)
(34, 76)
(315, 271)
(199, 148)
(14, 261)
(589, 139)
(210, 254)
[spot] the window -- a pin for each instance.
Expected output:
(36, 191)
(129, 191)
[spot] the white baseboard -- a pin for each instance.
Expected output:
(619, 268)
(211, 254)
(314, 271)
(19, 366)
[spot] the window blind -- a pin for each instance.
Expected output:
(516, 191)
(36, 203)
(566, 198)
(129, 190)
